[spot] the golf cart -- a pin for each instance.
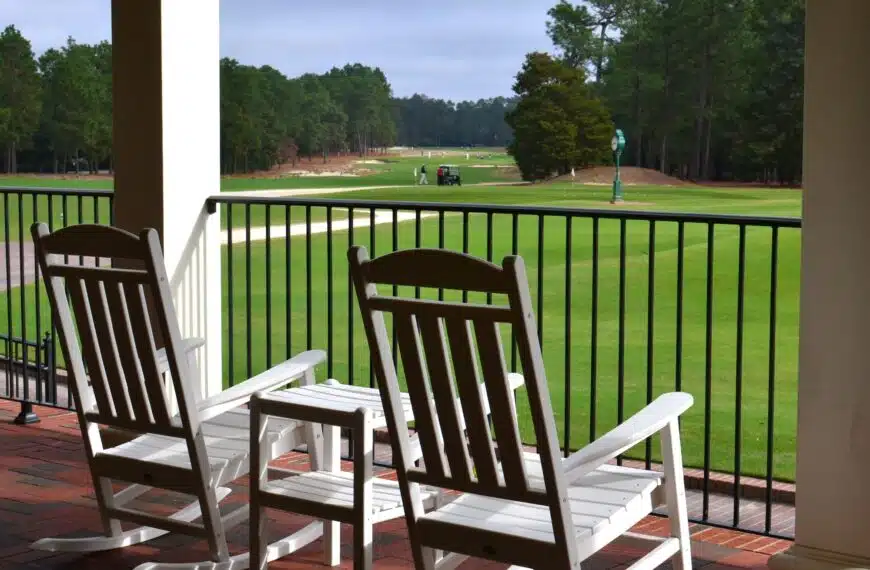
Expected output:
(448, 174)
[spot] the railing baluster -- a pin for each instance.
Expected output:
(248, 293)
(64, 222)
(440, 245)
(309, 344)
(489, 248)
(22, 288)
(771, 380)
(40, 395)
(9, 329)
(350, 298)
(681, 254)
(80, 209)
(329, 343)
(568, 251)
(268, 286)
(620, 395)
(515, 236)
(372, 222)
(52, 396)
(593, 336)
(230, 312)
(540, 307)
(708, 375)
(738, 405)
(288, 309)
(465, 246)
(418, 240)
(650, 332)
(395, 233)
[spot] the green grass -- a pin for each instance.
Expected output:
(63, 210)
(391, 171)
(329, 286)
(388, 171)
(697, 200)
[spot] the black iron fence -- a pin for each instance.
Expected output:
(28, 342)
(629, 304)
(30, 374)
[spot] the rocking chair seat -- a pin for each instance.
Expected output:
(610, 501)
(226, 440)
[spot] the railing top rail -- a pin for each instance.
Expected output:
(56, 191)
(658, 216)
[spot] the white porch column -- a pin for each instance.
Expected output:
(833, 461)
(166, 85)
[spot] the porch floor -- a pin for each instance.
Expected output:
(45, 490)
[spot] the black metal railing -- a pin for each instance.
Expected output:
(629, 304)
(29, 340)
(30, 374)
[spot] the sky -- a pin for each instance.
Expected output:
(449, 49)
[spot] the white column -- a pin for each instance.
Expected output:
(166, 89)
(833, 461)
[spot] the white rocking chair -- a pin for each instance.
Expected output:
(119, 316)
(528, 510)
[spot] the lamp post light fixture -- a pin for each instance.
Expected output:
(617, 144)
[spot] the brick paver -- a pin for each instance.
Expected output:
(45, 491)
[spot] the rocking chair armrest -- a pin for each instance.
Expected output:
(645, 423)
(187, 345)
(515, 380)
(275, 377)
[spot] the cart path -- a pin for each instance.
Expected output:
(239, 235)
(22, 267)
(24, 272)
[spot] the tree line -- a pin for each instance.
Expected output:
(56, 112)
(704, 89)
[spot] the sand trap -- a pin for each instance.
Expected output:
(309, 173)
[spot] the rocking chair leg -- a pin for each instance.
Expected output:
(675, 493)
(106, 500)
(129, 538)
(211, 518)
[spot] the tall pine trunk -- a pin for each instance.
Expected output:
(664, 155)
(666, 111)
(706, 169)
(695, 165)
(600, 63)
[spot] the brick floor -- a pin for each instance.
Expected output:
(45, 491)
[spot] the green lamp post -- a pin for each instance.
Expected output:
(617, 143)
